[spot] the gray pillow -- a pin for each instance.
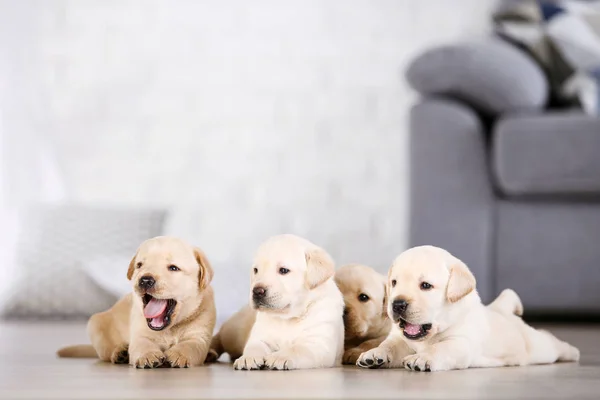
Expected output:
(492, 76)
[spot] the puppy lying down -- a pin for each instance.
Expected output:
(169, 317)
(294, 320)
(365, 314)
(440, 323)
(365, 317)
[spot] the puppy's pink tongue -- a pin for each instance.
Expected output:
(155, 307)
(412, 329)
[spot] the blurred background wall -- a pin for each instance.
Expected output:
(243, 119)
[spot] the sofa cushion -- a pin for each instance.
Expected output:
(547, 154)
(492, 76)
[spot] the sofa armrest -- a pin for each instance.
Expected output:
(451, 196)
(493, 76)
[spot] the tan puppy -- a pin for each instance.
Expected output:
(299, 308)
(233, 335)
(169, 317)
(438, 315)
(365, 317)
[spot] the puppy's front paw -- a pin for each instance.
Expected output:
(211, 356)
(279, 361)
(120, 355)
(152, 359)
(176, 359)
(248, 363)
(374, 358)
(351, 356)
(424, 362)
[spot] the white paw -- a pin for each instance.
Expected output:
(424, 362)
(374, 358)
(277, 361)
(249, 363)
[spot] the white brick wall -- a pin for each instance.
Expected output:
(247, 118)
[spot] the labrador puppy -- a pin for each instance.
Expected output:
(438, 315)
(233, 335)
(365, 317)
(298, 307)
(169, 317)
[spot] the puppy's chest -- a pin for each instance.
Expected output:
(417, 347)
(285, 333)
(166, 340)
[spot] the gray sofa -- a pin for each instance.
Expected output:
(503, 180)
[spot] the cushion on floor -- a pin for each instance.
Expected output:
(56, 243)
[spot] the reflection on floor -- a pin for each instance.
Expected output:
(30, 369)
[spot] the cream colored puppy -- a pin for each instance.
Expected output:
(365, 317)
(438, 315)
(168, 319)
(299, 308)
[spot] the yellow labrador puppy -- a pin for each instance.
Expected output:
(365, 317)
(233, 335)
(169, 317)
(438, 314)
(365, 314)
(298, 307)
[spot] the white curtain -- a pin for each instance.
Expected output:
(29, 172)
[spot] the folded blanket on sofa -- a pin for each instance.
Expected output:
(564, 36)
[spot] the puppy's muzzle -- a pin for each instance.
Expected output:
(146, 282)
(259, 293)
(260, 296)
(399, 307)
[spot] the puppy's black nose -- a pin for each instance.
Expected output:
(399, 306)
(259, 292)
(146, 282)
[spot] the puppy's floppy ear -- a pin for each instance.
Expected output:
(386, 291)
(205, 273)
(320, 267)
(385, 299)
(461, 281)
(131, 267)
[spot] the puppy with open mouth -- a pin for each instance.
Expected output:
(296, 309)
(167, 320)
(438, 315)
(365, 316)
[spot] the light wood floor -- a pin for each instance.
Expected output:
(30, 369)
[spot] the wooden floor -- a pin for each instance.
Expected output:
(31, 370)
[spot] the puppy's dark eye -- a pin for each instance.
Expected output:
(393, 283)
(139, 265)
(363, 298)
(256, 270)
(426, 286)
(174, 268)
(283, 270)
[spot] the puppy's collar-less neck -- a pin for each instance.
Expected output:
(454, 313)
(195, 313)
